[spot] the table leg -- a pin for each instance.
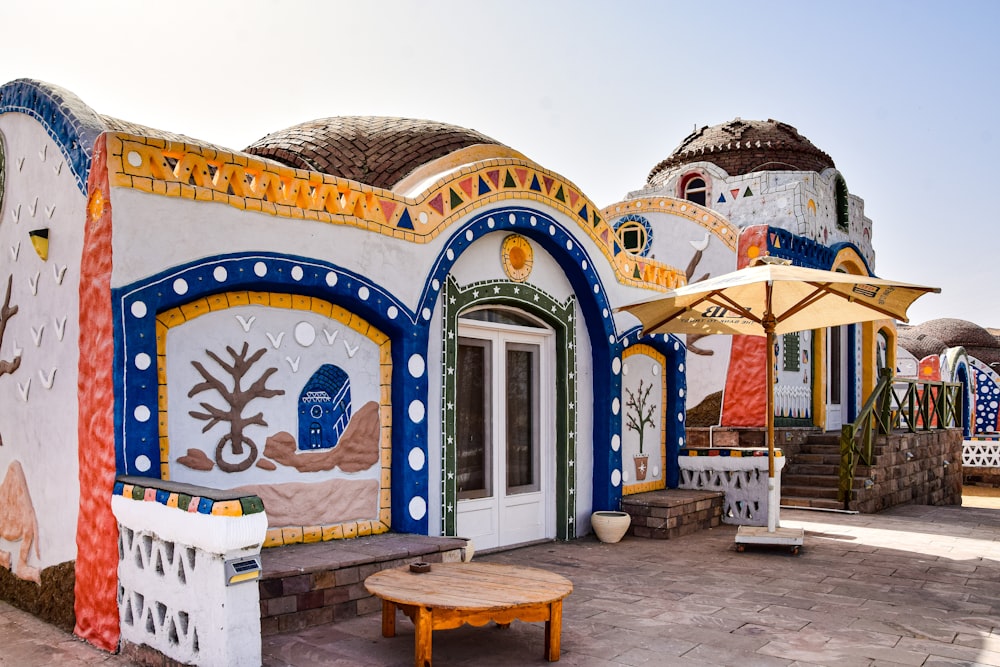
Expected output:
(423, 625)
(553, 630)
(388, 619)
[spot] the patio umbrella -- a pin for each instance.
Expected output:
(772, 297)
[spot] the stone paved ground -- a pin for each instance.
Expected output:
(915, 585)
(912, 586)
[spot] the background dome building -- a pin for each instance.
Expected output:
(727, 194)
(955, 350)
(935, 336)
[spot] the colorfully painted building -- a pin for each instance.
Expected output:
(726, 195)
(365, 325)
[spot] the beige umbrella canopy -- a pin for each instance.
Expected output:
(797, 299)
(772, 297)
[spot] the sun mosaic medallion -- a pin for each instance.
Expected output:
(517, 257)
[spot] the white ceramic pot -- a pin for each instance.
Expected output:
(610, 527)
(469, 550)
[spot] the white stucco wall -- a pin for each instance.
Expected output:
(780, 199)
(38, 402)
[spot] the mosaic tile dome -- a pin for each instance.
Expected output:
(743, 146)
(375, 150)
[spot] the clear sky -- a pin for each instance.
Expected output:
(903, 94)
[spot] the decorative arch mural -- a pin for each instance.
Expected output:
(146, 314)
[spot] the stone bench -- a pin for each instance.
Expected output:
(303, 585)
(671, 513)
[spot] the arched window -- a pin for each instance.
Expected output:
(843, 206)
(694, 188)
(881, 353)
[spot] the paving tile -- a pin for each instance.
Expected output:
(952, 651)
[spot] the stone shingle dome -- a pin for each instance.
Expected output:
(933, 336)
(744, 146)
(374, 150)
(955, 332)
(919, 344)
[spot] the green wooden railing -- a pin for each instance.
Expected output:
(895, 403)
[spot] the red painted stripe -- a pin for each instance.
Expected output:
(97, 531)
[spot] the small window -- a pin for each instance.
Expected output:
(790, 349)
(843, 206)
(633, 237)
(695, 190)
(635, 234)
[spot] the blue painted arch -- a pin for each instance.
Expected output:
(137, 305)
(559, 241)
(72, 124)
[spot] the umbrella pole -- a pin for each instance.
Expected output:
(773, 499)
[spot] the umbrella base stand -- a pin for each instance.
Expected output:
(792, 538)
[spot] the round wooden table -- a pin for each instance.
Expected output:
(452, 594)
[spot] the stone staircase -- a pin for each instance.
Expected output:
(810, 478)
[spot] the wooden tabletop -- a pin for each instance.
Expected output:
(469, 586)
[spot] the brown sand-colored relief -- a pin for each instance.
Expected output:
(691, 267)
(6, 312)
(357, 449)
(196, 460)
(236, 399)
(317, 504)
(18, 522)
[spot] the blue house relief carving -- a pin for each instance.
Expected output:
(324, 408)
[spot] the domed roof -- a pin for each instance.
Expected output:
(374, 150)
(955, 332)
(933, 336)
(743, 146)
(919, 344)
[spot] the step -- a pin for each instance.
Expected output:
(793, 468)
(823, 439)
(823, 459)
(808, 491)
(819, 449)
(828, 480)
(816, 503)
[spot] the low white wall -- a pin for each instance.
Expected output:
(172, 592)
(743, 479)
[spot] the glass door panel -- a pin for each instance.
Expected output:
(474, 426)
(522, 418)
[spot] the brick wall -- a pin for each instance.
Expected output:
(910, 469)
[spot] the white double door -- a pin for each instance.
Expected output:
(505, 433)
